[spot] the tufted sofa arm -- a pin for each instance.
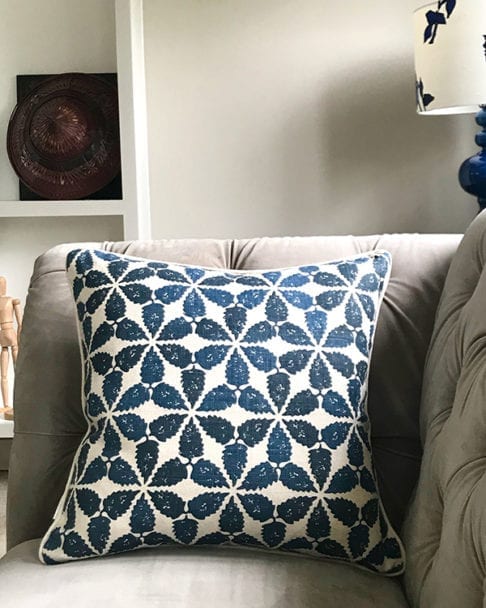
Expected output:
(445, 530)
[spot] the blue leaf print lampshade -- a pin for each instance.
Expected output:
(450, 60)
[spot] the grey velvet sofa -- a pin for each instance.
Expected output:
(428, 435)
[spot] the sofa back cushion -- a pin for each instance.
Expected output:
(49, 419)
(445, 528)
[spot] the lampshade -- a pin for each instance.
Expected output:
(450, 56)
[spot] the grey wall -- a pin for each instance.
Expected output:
(295, 117)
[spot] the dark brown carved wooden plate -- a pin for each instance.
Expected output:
(63, 138)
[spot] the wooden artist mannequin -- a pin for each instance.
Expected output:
(9, 342)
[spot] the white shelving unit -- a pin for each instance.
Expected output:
(135, 206)
(132, 101)
(60, 208)
(134, 209)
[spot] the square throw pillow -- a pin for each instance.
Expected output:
(225, 408)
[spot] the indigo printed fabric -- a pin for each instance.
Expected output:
(225, 408)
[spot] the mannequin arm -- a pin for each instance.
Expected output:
(18, 315)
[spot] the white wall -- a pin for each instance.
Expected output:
(23, 239)
(295, 117)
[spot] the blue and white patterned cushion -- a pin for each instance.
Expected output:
(225, 408)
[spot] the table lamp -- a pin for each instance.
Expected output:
(450, 65)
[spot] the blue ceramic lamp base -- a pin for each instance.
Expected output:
(472, 174)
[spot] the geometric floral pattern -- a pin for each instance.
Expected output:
(225, 408)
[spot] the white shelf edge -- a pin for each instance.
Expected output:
(6, 429)
(60, 208)
(133, 117)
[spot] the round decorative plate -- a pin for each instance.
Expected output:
(63, 138)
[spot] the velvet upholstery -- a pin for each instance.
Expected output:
(50, 425)
(220, 577)
(445, 530)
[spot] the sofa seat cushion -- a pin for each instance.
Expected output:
(192, 578)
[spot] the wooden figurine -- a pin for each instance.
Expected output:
(10, 312)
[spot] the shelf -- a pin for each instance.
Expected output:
(6, 429)
(60, 208)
